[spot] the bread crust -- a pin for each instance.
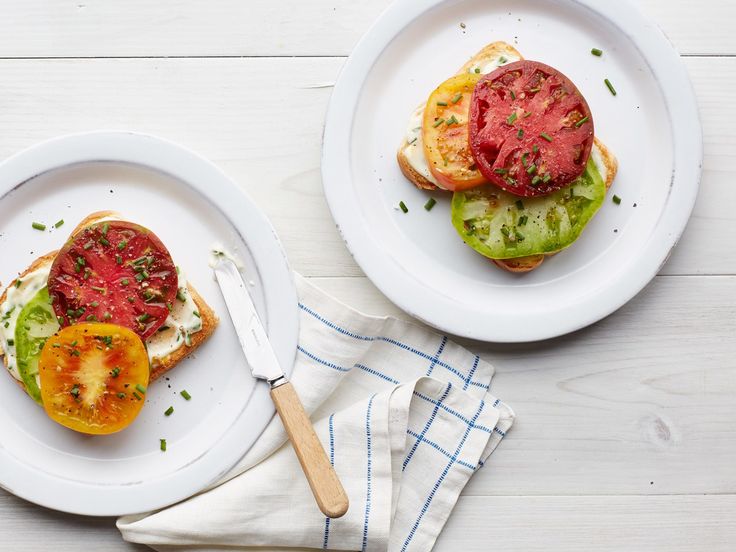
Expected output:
(161, 366)
(411, 173)
(209, 322)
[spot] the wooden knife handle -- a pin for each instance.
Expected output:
(326, 487)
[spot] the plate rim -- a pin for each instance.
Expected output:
(280, 298)
(677, 91)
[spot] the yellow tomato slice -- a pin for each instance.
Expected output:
(445, 134)
(94, 377)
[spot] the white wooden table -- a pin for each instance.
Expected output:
(626, 431)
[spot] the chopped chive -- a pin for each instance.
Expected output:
(107, 316)
(520, 134)
(519, 205)
(180, 295)
(143, 317)
(139, 260)
(75, 352)
(140, 276)
(105, 228)
(91, 318)
(75, 390)
(522, 220)
(81, 261)
(59, 223)
(513, 95)
(131, 300)
(122, 245)
(451, 121)
(163, 445)
(536, 180)
(535, 149)
(140, 388)
(431, 202)
(125, 281)
(118, 259)
(169, 411)
(195, 313)
(186, 395)
(597, 52)
(87, 246)
(535, 90)
(527, 114)
(413, 140)
(163, 328)
(546, 178)
(524, 159)
(38, 226)
(11, 342)
(519, 236)
(616, 200)
(502, 60)
(546, 136)
(104, 241)
(457, 97)
(511, 118)
(532, 169)
(137, 396)
(610, 86)
(98, 289)
(477, 69)
(500, 171)
(18, 282)
(437, 123)
(115, 372)
(56, 345)
(94, 304)
(443, 104)
(403, 207)
(582, 121)
(121, 395)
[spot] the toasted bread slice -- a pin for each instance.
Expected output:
(158, 366)
(422, 178)
(485, 61)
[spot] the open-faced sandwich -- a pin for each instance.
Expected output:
(514, 141)
(84, 329)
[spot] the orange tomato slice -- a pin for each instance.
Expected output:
(445, 134)
(94, 377)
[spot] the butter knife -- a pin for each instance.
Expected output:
(326, 487)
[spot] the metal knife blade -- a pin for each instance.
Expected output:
(253, 339)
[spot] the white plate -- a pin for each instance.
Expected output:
(417, 259)
(189, 204)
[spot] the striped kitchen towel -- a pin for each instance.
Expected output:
(406, 416)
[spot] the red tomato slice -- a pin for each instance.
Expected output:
(531, 130)
(93, 377)
(116, 272)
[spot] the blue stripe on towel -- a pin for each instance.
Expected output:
(332, 462)
(438, 483)
(368, 483)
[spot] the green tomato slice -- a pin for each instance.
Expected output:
(500, 225)
(36, 323)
